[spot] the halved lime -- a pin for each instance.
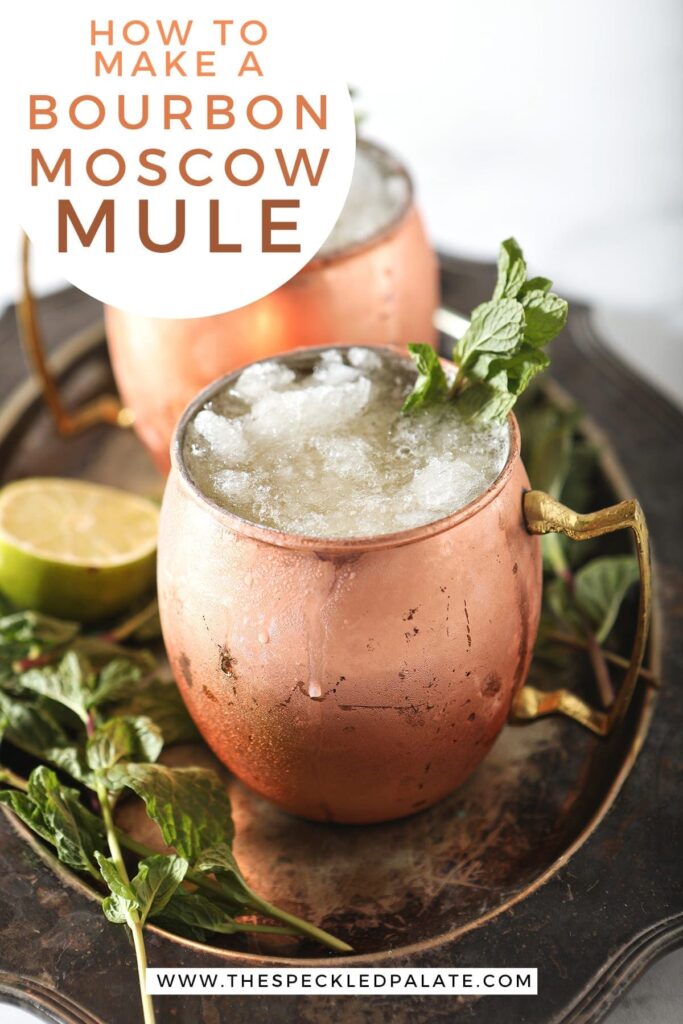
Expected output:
(75, 550)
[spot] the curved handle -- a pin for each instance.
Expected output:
(105, 409)
(543, 514)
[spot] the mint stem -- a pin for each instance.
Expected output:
(561, 568)
(12, 779)
(602, 676)
(132, 917)
(457, 385)
(132, 624)
(300, 926)
(615, 659)
(264, 929)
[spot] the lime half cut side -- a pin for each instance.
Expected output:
(75, 550)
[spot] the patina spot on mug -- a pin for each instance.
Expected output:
(363, 679)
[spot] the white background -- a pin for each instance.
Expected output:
(560, 121)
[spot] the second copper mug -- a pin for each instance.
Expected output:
(382, 291)
(361, 680)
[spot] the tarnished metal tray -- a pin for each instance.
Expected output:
(519, 867)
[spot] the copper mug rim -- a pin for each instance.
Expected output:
(301, 542)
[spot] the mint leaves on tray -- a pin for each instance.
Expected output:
(586, 586)
(502, 349)
(88, 708)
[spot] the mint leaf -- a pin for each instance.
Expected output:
(598, 592)
(545, 315)
(76, 833)
(157, 879)
(548, 446)
(484, 402)
(119, 679)
(123, 739)
(521, 367)
(511, 270)
(117, 906)
(220, 862)
(115, 909)
(67, 684)
(110, 874)
(192, 914)
(31, 724)
(148, 893)
(51, 680)
(189, 805)
(26, 634)
(431, 385)
(28, 811)
(161, 701)
(496, 327)
(504, 379)
(542, 284)
(74, 684)
(69, 759)
(56, 814)
(562, 605)
(600, 588)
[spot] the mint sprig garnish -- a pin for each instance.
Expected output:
(502, 349)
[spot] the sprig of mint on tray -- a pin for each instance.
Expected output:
(502, 349)
(98, 713)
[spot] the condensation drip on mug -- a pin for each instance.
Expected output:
(314, 635)
(318, 594)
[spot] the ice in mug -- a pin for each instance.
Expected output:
(323, 450)
(379, 194)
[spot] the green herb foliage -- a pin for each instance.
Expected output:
(584, 589)
(431, 385)
(502, 349)
(191, 810)
(56, 814)
(148, 893)
(96, 711)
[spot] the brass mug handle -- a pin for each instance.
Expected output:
(543, 514)
(104, 409)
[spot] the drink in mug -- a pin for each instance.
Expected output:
(323, 450)
(348, 595)
(374, 282)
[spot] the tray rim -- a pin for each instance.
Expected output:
(80, 347)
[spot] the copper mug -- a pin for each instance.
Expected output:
(360, 680)
(382, 291)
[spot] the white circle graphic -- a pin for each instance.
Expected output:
(177, 159)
